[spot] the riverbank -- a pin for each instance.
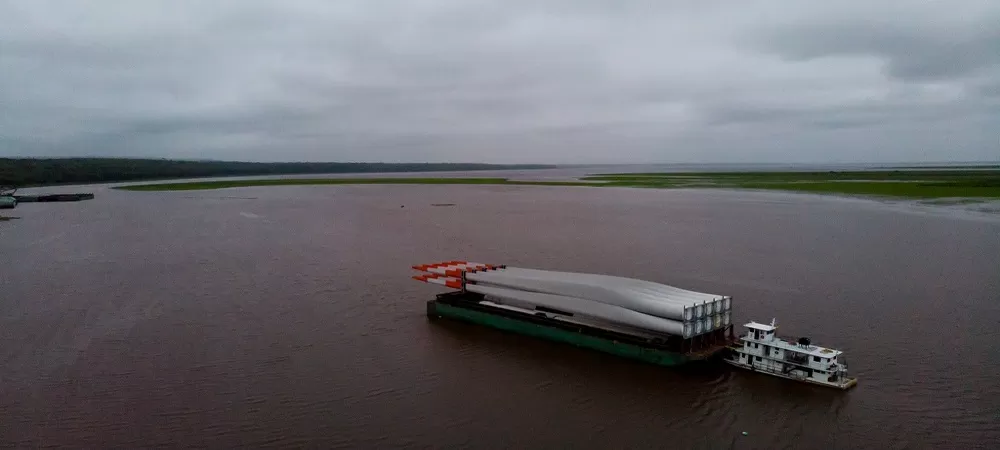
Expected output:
(29, 172)
(910, 184)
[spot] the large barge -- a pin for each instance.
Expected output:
(528, 302)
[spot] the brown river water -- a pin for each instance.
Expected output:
(286, 317)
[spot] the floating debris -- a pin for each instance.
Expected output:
(442, 204)
(6, 218)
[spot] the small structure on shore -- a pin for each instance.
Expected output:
(8, 199)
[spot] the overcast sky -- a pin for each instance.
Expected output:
(564, 81)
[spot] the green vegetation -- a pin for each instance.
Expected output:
(922, 184)
(970, 166)
(37, 172)
(919, 184)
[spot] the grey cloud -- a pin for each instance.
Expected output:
(842, 118)
(988, 87)
(911, 53)
(504, 81)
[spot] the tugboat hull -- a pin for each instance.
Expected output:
(842, 383)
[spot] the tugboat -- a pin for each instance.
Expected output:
(761, 351)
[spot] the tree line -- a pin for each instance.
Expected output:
(47, 171)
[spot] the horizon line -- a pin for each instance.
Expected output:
(558, 164)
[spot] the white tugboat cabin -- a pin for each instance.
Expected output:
(762, 351)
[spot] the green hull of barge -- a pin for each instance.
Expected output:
(651, 355)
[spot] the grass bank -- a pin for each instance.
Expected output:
(915, 184)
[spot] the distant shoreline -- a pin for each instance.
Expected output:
(34, 172)
(38, 172)
(943, 167)
(225, 184)
(911, 184)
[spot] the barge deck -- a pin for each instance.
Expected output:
(663, 350)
